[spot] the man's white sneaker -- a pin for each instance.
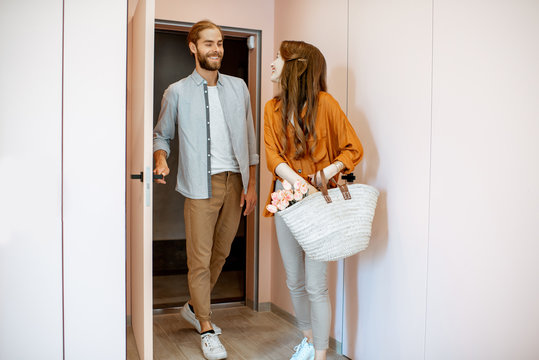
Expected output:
(188, 315)
(303, 351)
(212, 347)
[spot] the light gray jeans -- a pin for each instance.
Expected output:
(307, 281)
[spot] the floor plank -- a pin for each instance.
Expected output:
(247, 335)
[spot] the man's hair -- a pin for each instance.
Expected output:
(302, 78)
(194, 33)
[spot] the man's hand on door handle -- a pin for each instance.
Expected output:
(161, 167)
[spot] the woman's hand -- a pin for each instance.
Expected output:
(329, 171)
(316, 178)
(312, 189)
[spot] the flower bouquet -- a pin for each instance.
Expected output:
(282, 199)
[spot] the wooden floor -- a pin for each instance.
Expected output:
(172, 290)
(246, 335)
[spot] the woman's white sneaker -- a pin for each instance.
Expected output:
(212, 347)
(303, 351)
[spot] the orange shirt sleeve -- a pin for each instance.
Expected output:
(271, 139)
(346, 143)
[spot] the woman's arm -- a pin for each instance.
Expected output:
(344, 138)
(271, 140)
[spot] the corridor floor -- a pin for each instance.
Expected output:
(247, 335)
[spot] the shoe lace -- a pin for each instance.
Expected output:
(297, 350)
(212, 341)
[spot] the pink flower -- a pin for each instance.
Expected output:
(283, 204)
(298, 196)
(297, 185)
(280, 195)
(271, 208)
(303, 189)
(274, 202)
(274, 196)
(286, 185)
(288, 195)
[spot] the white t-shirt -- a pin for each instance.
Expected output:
(222, 153)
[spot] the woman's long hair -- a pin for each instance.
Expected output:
(302, 78)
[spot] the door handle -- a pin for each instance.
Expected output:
(141, 176)
(348, 177)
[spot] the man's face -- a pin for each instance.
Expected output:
(209, 49)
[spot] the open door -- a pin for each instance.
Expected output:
(139, 160)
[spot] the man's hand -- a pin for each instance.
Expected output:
(161, 167)
(249, 199)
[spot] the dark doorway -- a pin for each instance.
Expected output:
(173, 62)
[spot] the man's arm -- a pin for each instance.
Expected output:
(163, 133)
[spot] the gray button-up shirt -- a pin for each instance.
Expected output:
(186, 103)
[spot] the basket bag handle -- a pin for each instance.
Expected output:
(324, 188)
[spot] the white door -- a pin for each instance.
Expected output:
(139, 150)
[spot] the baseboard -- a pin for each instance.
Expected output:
(264, 307)
(250, 304)
(285, 315)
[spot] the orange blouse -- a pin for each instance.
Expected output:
(336, 141)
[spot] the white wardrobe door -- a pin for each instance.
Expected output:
(30, 180)
(95, 46)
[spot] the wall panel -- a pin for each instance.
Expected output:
(389, 84)
(94, 178)
(483, 262)
(31, 188)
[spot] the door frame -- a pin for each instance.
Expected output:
(253, 220)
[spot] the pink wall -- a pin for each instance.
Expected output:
(385, 93)
(323, 24)
(389, 100)
(484, 242)
(248, 14)
(448, 121)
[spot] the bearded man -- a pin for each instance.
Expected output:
(216, 169)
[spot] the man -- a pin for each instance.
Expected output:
(216, 169)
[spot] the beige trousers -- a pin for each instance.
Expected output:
(210, 227)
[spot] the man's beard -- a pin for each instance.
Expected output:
(206, 64)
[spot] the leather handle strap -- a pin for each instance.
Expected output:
(324, 188)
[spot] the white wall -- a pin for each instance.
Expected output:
(94, 178)
(30, 181)
(483, 288)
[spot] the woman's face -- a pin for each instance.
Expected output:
(277, 68)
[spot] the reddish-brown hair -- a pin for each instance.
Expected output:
(302, 78)
(194, 33)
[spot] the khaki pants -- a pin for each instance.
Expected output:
(210, 227)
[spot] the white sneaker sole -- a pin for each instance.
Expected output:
(216, 356)
(188, 315)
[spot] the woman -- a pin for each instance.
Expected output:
(305, 131)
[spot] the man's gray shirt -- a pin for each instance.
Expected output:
(186, 103)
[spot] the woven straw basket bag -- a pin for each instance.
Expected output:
(333, 224)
